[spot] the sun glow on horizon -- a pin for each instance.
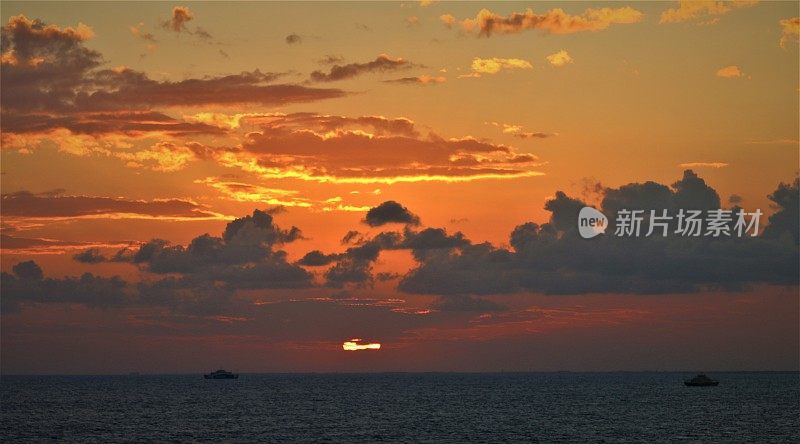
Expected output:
(356, 344)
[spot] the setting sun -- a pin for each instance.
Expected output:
(359, 344)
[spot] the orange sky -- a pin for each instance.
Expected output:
(123, 123)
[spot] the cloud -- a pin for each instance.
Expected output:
(331, 59)
(369, 149)
(448, 20)
(532, 135)
(181, 15)
(244, 257)
(245, 192)
(27, 205)
(790, 31)
(561, 58)
(35, 246)
(390, 212)
(28, 270)
(785, 221)
(209, 259)
(381, 63)
(316, 258)
(418, 80)
(354, 266)
(554, 21)
(551, 258)
(51, 82)
(162, 156)
(691, 9)
(205, 277)
(377, 125)
(132, 124)
(136, 31)
(293, 39)
(730, 72)
(412, 20)
(28, 285)
(703, 165)
(517, 131)
(134, 89)
(90, 256)
(495, 65)
(202, 33)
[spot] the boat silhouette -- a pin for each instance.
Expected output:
(701, 380)
(221, 374)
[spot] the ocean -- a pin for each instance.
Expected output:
(402, 407)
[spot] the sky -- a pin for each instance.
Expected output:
(252, 185)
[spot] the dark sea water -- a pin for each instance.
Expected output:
(502, 407)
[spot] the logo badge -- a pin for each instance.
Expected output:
(591, 222)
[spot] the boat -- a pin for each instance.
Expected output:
(701, 380)
(221, 374)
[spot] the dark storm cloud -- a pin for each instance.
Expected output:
(430, 240)
(48, 72)
(552, 259)
(56, 205)
(90, 256)
(381, 63)
(354, 265)
(28, 285)
(202, 277)
(316, 258)
(390, 212)
(243, 256)
(786, 221)
(28, 270)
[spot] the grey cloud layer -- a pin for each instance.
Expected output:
(202, 276)
(549, 258)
